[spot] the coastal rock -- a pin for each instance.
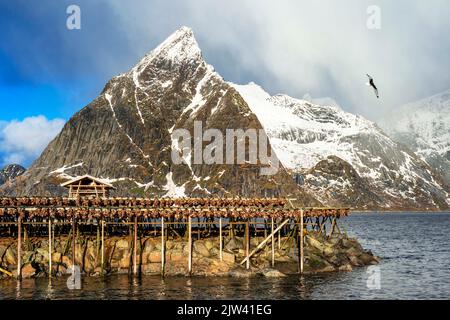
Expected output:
(272, 273)
(27, 256)
(122, 244)
(56, 257)
(177, 257)
(346, 267)
(154, 257)
(209, 244)
(148, 247)
(240, 273)
(200, 248)
(28, 271)
(234, 244)
(125, 261)
(66, 261)
(228, 257)
(10, 256)
(151, 268)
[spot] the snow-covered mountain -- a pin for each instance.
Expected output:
(304, 135)
(424, 126)
(124, 135)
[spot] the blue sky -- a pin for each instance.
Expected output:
(322, 48)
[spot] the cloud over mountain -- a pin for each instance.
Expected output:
(23, 141)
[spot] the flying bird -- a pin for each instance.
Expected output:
(372, 84)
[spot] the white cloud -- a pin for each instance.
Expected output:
(23, 141)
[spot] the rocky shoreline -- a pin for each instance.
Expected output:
(321, 254)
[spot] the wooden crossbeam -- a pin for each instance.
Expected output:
(262, 244)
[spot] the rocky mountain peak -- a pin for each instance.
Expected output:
(181, 46)
(11, 172)
(124, 136)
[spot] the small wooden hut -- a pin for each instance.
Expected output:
(88, 186)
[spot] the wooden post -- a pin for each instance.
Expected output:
(73, 244)
(25, 237)
(220, 240)
(135, 269)
(279, 239)
(273, 245)
(19, 247)
(49, 247)
(333, 224)
(103, 245)
(162, 247)
(301, 241)
(247, 244)
(190, 245)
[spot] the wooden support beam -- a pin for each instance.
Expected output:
(162, 247)
(279, 239)
(333, 225)
(6, 272)
(190, 245)
(19, 247)
(49, 247)
(73, 244)
(247, 245)
(103, 246)
(301, 241)
(135, 267)
(265, 241)
(220, 240)
(273, 244)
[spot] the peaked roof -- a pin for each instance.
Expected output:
(86, 176)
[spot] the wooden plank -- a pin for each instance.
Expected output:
(6, 272)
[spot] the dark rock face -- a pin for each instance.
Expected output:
(339, 184)
(124, 135)
(10, 172)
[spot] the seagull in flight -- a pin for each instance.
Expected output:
(372, 84)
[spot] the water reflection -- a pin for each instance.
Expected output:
(18, 290)
(50, 291)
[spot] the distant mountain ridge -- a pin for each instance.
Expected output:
(424, 126)
(304, 135)
(10, 172)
